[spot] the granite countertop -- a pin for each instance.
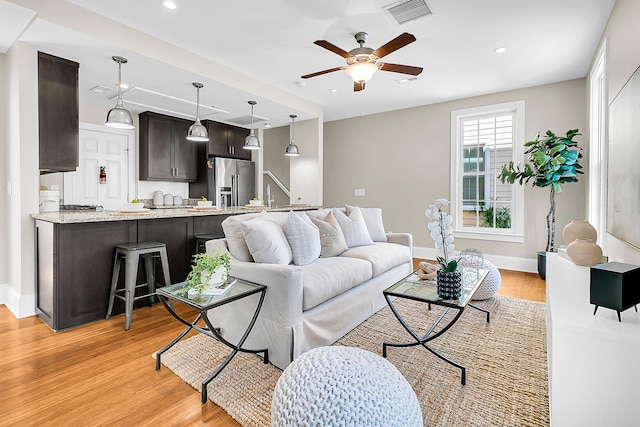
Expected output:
(71, 217)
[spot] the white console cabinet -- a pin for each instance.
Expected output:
(594, 361)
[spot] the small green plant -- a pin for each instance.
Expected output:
(447, 266)
(205, 264)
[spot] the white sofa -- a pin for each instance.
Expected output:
(312, 305)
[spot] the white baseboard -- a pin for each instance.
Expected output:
(19, 305)
(528, 265)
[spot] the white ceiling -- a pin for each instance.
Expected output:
(272, 42)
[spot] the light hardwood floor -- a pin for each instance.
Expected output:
(99, 374)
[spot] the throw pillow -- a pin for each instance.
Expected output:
(373, 220)
(331, 237)
(353, 227)
(266, 242)
(303, 237)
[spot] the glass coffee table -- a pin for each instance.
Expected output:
(426, 291)
(202, 304)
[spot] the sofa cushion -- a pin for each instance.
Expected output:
(327, 277)
(266, 241)
(373, 220)
(303, 237)
(331, 237)
(235, 239)
(382, 256)
(353, 227)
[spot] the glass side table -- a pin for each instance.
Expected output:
(426, 291)
(202, 304)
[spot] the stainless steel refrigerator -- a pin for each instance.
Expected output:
(227, 182)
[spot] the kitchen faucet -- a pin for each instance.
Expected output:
(269, 199)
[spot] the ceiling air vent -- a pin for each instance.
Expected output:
(246, 120)
(408, 10)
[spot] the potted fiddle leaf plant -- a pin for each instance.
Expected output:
(552, 161)
(208, 270)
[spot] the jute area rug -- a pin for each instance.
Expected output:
(506, 366)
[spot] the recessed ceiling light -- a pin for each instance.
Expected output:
(333, 90)
(301, 84)
(406, 80)
(501, 50)
(100, 89)
(169, 5)
(267, 125)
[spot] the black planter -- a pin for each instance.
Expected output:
(449, 284)
(542, 264)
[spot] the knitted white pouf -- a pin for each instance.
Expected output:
(491, 283)
(343, 386)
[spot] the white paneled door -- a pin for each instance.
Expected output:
(101, 149)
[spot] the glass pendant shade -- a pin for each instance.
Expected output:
(119, 117)
(251, 142)
(292, 148)
(361, 71)
(197, 131)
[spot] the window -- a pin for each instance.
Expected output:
(482, 140)
(598, 106)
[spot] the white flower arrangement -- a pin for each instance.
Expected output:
(441, 230)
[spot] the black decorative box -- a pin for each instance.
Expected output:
(615, 285)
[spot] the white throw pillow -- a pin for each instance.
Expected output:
(331, 237)
(303, 237)
(266, 242)
(373, 220)
(235, 238)
(353, 227)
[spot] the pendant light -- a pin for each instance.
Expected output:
(292, 148)
(118, 116)
(197, 132)
(252, 142)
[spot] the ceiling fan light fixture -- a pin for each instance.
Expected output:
(119, 117)
(197, 132)
(292, 149)
(361, 71)
(251, 142)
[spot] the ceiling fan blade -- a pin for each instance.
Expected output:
(333, 48)
(319, 73)
(404, 69)
(395, 44)
(358, 86)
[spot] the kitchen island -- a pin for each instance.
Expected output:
(74, 254)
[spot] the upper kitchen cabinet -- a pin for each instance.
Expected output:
(58, 108)
(165, 153)
(227, 141)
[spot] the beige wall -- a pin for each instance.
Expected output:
(273, 145)
(22, 171)
(4, 166)
(401, 160)
(623, 33)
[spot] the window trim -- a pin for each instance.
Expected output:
(516, 233)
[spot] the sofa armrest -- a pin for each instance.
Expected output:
(405, 239)
(283, 300)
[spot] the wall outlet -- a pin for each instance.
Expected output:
(359, 192)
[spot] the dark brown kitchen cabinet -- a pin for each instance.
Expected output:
(227, 141)
(74, 264)
(177, 234)
(58, 108)
(165, 153)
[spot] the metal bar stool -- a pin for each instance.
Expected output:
(131, 252)
(201, 240)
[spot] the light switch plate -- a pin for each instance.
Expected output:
(359, 192)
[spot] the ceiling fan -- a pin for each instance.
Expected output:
(362, 62)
